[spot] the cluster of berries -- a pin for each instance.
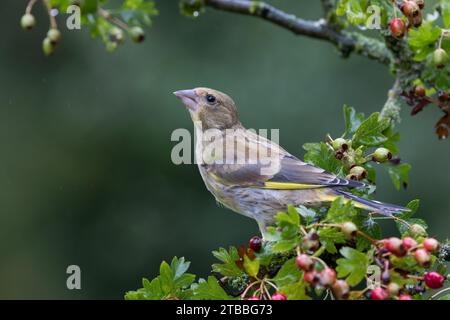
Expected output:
(53, 37)
(255, 244)
(352, 159)
(412, 10)
(418, 99)
(401, 248)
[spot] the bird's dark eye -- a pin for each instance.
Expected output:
(210, 98)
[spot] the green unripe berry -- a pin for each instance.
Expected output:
(137, 34)
(340, 143)
(440, 57)
(359, 172)
(111, 46)
(48, 47)
(349, 229)
(417, 229)
(382, 155)
(393, 289)
(116, 35)
(54, 35)
(27, 21)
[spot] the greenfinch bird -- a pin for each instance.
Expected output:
(254, 176)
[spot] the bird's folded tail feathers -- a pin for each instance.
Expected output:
(372, 205)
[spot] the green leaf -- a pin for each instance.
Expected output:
(251, 266)
(445, 297)
(353, 265)
(228, 268)
(399, 174)
(424, 35)
(329, 237)
(307, 213)
(355, 10)
(445, 13)
(352, 120)
(295, 291)
(179, 266)
(293, 214)
(423, 40)
(209, 290)
(370, 132)
(284, 245)
(413, 206)
(166, 277)
(320, 155)
(288, 273)
(341, 210)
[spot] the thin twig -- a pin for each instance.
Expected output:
(30, 6)
(318, 29)
(108, 16)
(53, 24)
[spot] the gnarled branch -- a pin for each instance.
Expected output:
(320, 29)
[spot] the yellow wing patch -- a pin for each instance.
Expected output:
(290, 185)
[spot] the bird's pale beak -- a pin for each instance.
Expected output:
(188, 97)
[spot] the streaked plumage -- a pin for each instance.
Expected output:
(258, 189)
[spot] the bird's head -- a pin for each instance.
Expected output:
(212, 108)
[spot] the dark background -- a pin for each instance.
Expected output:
(85, 170)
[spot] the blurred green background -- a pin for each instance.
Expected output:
(86, 176)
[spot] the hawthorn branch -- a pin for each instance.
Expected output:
(320, 29)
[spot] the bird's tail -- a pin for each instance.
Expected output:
(375, 206)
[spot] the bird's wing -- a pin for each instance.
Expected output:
(277, 170)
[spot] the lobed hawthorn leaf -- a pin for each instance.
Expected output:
(296, 291)
(422, 40)
(341, 210)
(288, 273)
(172, 280)
(445, 13)
(329, 237)
(228, 268)
(399, 174)
(370, 132)
(353, 265)
(285, 245)
(352, 120)
(209, 289)
(320, 155)
(251, 266)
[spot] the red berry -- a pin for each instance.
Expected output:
(253, 298)
(419, 90)
(404, 297)
(410, 9)
(422, 257)
(341, 290)
(278, 296)
(409, 243)
(434, 280)
(394, 245)
(430, 244)
(378, 294)
(327, 277)
(312, 277)
(255, 243)
(398, 27)
(304, 262)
